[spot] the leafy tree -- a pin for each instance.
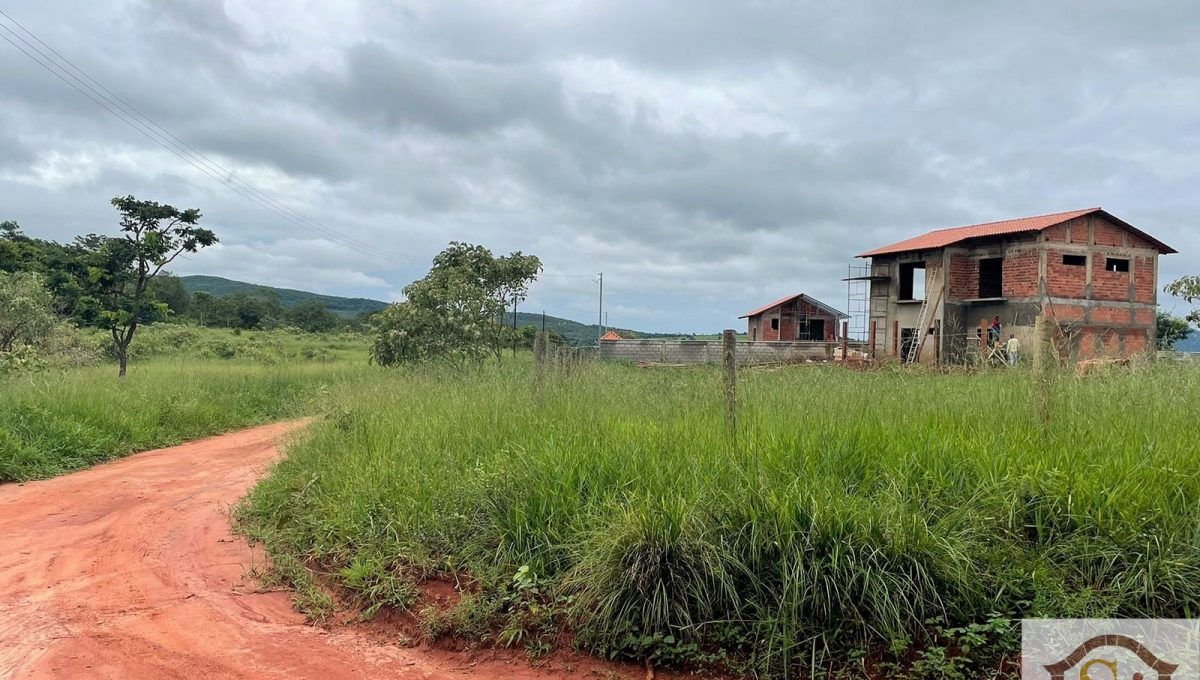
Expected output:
(455, 311)
(407, 334)
(168, 289)
(61, 266)
(247, 312)
(363, 321)
(202, 307)
(1171, 329)
(1188, 288)
(26, 310)
(313, 317)
(14, 248)
(153, 235)
(525, 335)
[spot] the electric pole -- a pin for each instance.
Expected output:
(600, 315)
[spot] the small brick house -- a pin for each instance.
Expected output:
(1094, 275)
(796, 317)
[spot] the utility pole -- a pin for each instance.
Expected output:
(600, 316)
(514, 325)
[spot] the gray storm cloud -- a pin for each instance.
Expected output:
(707, 158)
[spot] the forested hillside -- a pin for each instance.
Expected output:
(576, 333)
(220, 287)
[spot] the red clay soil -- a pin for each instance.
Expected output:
(129, 570)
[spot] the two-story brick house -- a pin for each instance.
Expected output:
(1094, 275)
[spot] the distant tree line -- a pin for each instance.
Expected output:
(264, 311)
(70, 273)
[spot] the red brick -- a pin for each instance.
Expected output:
(1144, 280)
(1135, 341)
(1021, 274)
(1064, 280)
(1064, 313)
(1058, 233)
(964, 277)
(1110, 315)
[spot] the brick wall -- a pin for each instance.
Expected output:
(1064, 280)
(709, 351)
(1136, 341)
(765, 332)
(1110, 316)
(1108, 285)
(1064, 313)
(1021, 274)
(1112, 234)
(1144, 280)
(964, 277)
(1057, 233)
(1109, 234)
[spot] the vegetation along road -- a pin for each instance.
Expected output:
(129, 570)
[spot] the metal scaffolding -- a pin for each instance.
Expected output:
(858, 300)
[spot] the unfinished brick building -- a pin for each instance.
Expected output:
(1094, 275)
(797, 317)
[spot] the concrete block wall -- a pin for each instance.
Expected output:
(709, 351)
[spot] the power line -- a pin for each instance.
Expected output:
(148, 127)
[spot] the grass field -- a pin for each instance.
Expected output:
(261, 347)
(857, 512)
(55, 421)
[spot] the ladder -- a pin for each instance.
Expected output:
(925, 317)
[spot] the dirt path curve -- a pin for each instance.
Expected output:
(129, 570)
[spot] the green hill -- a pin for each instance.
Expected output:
(342, 306)
(578, 334)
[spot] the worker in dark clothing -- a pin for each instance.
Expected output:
(994, 332)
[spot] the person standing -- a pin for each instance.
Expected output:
(994, 332)
(1013, 347)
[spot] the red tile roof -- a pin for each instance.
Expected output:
(941, 238)
(812, 301)
(611, 335)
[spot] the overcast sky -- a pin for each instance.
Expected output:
(707, 156)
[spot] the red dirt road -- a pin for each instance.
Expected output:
(129, 570)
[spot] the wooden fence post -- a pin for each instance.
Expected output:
(539, 356)
(729, 363)
(845, 341)
(896, 338)
(937, 342)
(1042, 372)
(871, 341)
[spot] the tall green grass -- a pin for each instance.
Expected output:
(857, 510)
(58, 421)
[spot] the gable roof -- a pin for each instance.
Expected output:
(611, 335)
(810, 300)
(940, 238)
